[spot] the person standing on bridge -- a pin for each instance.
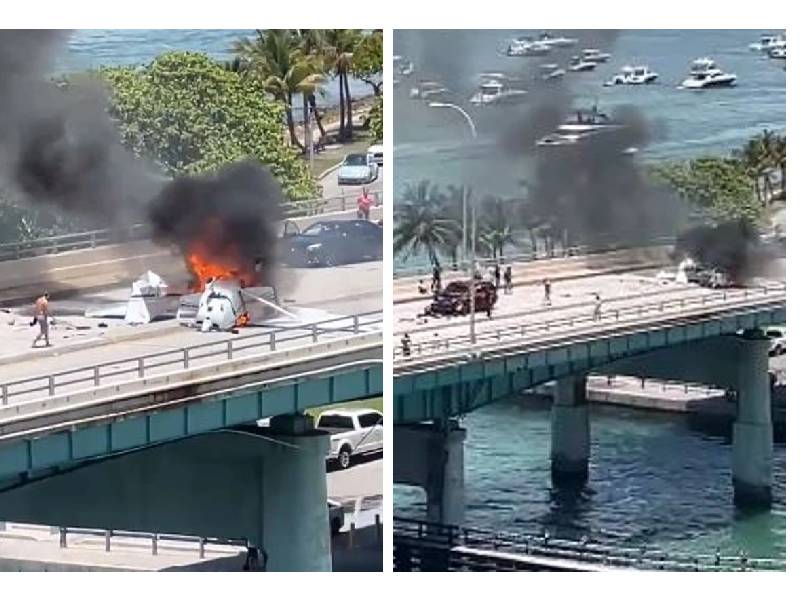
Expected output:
(405, 344)
(507, 279)
(42, 316)
(598, 303)
(497, 276)
(364, 204)
(436, 279)
(547, 290)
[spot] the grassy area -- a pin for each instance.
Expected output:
(372, 403)
(332, 157)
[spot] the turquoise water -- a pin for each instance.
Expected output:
(654, 479)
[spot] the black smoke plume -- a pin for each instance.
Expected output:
(229, 215)
(733, 247)
(58, 146)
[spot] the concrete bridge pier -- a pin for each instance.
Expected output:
(752, 431)
(431, 456)
(296, 526)
(569, 438)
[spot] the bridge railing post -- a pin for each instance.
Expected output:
(314, 333)
(51, 385)
(272, 340)
(229, 349)
(62, 537)
(355, 323)
(96, 375)
(5, 394)
(108, 540)
(154, 544)
(202, 541)
(185, 358)
(140, 367)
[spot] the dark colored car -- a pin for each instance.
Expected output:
(329, 243)
(455, 298)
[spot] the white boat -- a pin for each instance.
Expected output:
(594, 55)
(492, 92)
(636, 75)
(526, 46)
(779, 53)
(403, 66)
(551, 71)
(545, 39)
(769, 41)
(583, 124)
(579, 64)
(427, 89)
(705, 74)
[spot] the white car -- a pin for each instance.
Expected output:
(357, 169)
(375, 154)
(353, 432)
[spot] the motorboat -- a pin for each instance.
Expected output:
(704, 73)
(427, 89)
(579, 64)
(779, 53)
(403, 66)
(583, 124)
(545, 39)
(633, 75)
(493, 91)
(550, 71)
(769, 41)
(527, 46)
(594, 55)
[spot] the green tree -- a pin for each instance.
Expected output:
(312, 43)
(190, 114)
(275, 57)
(422, 224)
(368, 60)
(720, 186)
(495, 228)
(376, 120)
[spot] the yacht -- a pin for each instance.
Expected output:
(578, 64)
(769, 41)
(494, 91)
(403, 66)
(594, 55)
(705, 74)
(545, 39)
(779, 53)
(550, 71)
(427, 89)
(583, 124)
(636, 75)
(526, 46)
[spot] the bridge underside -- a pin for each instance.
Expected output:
(267, 486)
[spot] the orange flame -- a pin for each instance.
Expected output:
(225, 264)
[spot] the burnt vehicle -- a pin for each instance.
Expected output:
(455, 299)
(331, 243)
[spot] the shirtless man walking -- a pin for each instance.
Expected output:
(42, 315)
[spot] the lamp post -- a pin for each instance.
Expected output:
(474, 133)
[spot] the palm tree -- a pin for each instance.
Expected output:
(421, 224)
(282, 67)
(340, 44)
(312, 42)
(761, 155)
(496, 229)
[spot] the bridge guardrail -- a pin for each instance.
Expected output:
(555, 252)
(583, 550)
(710, 299)
(101, 237)
(141, 366)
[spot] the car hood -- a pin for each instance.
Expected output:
(354, 171)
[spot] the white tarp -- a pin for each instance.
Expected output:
(148, 299)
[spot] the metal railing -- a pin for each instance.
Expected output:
(533, 256)
(102, 237)
(501, 333)
(583, 550)
(183, 358)
(155, 538)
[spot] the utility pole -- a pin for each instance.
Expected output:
(472, 281)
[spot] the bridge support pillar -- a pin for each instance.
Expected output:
(296, 526)
(432, 456)
(569, 441)
(752, 431)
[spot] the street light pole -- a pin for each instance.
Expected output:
(464, 195)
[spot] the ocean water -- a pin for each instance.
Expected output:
(91, 48)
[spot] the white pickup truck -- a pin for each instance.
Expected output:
(353, 432)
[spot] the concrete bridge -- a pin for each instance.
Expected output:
(166, 441)
(666, 331)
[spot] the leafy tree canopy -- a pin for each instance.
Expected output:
(190, 114)
(376, 120)
(368, 60)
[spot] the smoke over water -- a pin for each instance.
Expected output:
(57, 144)
(59, 147)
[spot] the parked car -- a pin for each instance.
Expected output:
(330, 243)
(357, 169)
(335, 516)
(353, 433)
(375, 154)
(455, 298)
(777, 336)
